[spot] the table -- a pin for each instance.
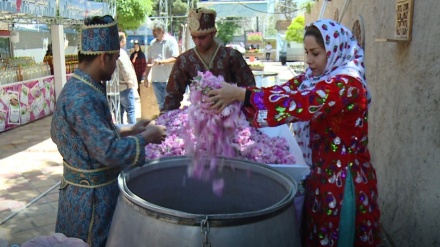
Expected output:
(258, 55)
(266, 79)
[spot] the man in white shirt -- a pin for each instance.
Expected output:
(268, 51)
(161, 56)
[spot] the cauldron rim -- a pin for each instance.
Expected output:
(193, 219)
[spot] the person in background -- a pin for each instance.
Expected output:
(268, 50)
(139, 62)
(330, 100)
(94, 150)
(207, 55)
(161, 55)
(49, 50)
(127, 82)
(48, 57)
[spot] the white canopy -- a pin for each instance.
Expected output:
(237, 8)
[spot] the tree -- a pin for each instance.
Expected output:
(295, 31)
(226, 28)
(288, 8)
(308, 6)
(270, 30)
(131, 14)
(174, 12)
(179, 9)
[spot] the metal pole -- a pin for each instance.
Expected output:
(344, 9)
(323, 7)
(113, 97)
(163, 12)
(171, 19)
(59, 59)
(258, 26)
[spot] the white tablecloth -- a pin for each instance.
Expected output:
(298, 170)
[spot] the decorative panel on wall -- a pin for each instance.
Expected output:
(359, 31)
(336, 15)
(403, 22)
(404, 10)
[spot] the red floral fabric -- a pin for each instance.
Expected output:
(338, 115)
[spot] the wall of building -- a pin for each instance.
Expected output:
(404, 118)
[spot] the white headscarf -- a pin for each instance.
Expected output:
(344, 57)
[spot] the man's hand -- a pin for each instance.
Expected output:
(137, 128)
(154, 133)
(155, 62)
(140, 126)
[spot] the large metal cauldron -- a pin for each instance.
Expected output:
(160, 206)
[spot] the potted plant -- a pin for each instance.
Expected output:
(254, 37)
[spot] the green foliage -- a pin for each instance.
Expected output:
(295, 31)
(254, 36)
(288, 8)
(179, 8)
(131, 14)
(270, 31)
(309, 7)
(226, 29)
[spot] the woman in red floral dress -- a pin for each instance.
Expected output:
(330, 104)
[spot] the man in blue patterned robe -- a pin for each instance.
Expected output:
(94, 150)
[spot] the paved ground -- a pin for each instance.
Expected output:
(29, 168)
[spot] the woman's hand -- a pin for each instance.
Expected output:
(134, 58)
(224, 96)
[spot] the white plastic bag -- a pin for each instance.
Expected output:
(55, 240)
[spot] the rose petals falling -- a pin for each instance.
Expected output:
(197, 131)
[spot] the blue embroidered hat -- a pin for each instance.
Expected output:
(100, 38)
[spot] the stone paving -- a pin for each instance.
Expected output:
(31, 168)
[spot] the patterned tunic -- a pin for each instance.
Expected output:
(226, 62)
(87, 139)
(337, 110)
